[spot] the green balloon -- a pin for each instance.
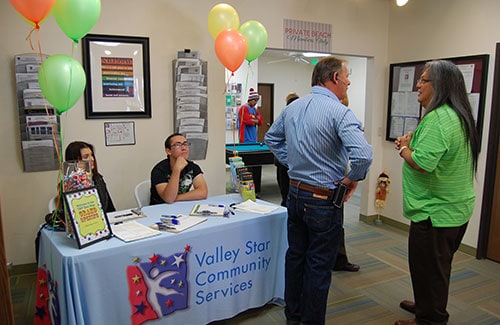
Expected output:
(62, 81)
(256, 36)
(76, 17)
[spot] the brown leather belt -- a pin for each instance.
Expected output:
(312, 189)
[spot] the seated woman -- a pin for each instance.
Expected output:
(80, 150)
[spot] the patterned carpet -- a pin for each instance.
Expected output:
(370, 296)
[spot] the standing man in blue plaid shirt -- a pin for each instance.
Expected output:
(317, 137)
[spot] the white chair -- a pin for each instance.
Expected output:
(52, 204)
(143, 193)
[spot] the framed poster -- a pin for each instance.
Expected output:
(89, 221)
(118, 76)
(404, 111)
(119, 133)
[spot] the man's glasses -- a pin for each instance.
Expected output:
(423, 81)
(179, 144)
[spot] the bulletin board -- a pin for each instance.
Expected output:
(404, 111)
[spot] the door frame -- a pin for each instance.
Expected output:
(266, 124)
(491, 163)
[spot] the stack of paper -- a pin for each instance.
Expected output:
(185, 222)
(124, 215)
(132, 230)
(252, 206)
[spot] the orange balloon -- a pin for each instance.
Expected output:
(33, 10)
(231, 49)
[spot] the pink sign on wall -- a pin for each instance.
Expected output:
(307, 36)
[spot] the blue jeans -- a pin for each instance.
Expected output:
(314, 234)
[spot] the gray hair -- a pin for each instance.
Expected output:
(449, 88)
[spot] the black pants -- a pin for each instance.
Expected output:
(341, 260)
(283, 181)
(430, 253)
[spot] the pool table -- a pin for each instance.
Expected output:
(254, 155)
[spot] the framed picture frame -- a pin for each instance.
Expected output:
(118, 76)
(404, 111)
(119, 133)
(90, 224)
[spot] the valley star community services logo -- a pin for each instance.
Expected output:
(158, 287)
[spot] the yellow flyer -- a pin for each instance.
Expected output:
(89, 220)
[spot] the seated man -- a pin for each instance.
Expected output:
(173, 178)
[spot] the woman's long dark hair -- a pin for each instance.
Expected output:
(73, 152)
(449, 88)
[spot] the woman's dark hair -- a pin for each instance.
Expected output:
(325, 69)
(73, 152)
(449, 88)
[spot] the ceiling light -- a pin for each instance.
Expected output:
(401, 2)
(315, 54)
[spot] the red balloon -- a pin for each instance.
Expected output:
(33, 10)
(231, 49)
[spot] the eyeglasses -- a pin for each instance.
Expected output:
(423, 81)
(179, 144)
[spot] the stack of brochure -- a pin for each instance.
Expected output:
(132, 230)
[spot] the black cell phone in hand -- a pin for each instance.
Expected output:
(338, 197)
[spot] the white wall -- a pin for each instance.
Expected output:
(376, 29)
(289, 76)
(428, 29)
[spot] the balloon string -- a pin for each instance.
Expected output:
(60, 158)
(35, 29)
(233, 117)
(227, 82)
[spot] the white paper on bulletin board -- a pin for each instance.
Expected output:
(119, 133)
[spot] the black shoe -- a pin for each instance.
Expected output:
(407, 305)
(349, 267)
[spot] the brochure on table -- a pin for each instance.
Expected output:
(251, 206)
(132, 230)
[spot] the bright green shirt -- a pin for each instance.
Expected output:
(445, 193)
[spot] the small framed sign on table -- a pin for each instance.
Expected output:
(119, 133)
(90, 224)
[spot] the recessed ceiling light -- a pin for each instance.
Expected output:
(401, 2)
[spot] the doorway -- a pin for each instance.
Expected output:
(266, 108)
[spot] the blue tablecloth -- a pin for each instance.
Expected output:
(229, 265)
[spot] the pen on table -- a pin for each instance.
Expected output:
(124, 215)
(169, 220)
(216, 205)
(162, 226)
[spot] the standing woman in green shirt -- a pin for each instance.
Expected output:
(440, 162)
